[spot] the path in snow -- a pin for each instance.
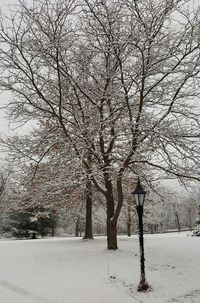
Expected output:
(24, 293)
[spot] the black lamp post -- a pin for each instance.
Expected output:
(139, 196)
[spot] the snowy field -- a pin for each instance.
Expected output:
(69, 270)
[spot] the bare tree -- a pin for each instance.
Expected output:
(118, 77)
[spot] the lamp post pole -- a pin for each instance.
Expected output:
(139, 196)
(141, 239)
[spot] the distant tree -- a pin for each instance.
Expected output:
(189, 211)
(49, 165)
(5, 174)
(31, 223)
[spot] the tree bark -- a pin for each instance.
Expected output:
(178, 221)
(129, 228)
(53, 230)
(53, 222)
(129, 221)
(88, 222)
(112, 236)
(88, 218)
(111, 225)
(77, 228)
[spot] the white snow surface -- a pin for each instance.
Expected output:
(77, 271)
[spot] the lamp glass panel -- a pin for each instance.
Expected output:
(137, 201)
(141, 199)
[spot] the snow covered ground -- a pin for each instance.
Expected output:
(69, 270)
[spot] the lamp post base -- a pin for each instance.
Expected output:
(143, 285)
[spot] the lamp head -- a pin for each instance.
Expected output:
(139, 194)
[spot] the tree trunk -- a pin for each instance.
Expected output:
(129, 222)
(112, 236)
(178, 221)
(129, 228)
(53, 230)
(111, 226)
(190, 218)
(88, 222)
(77, 228)
(53, 222)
